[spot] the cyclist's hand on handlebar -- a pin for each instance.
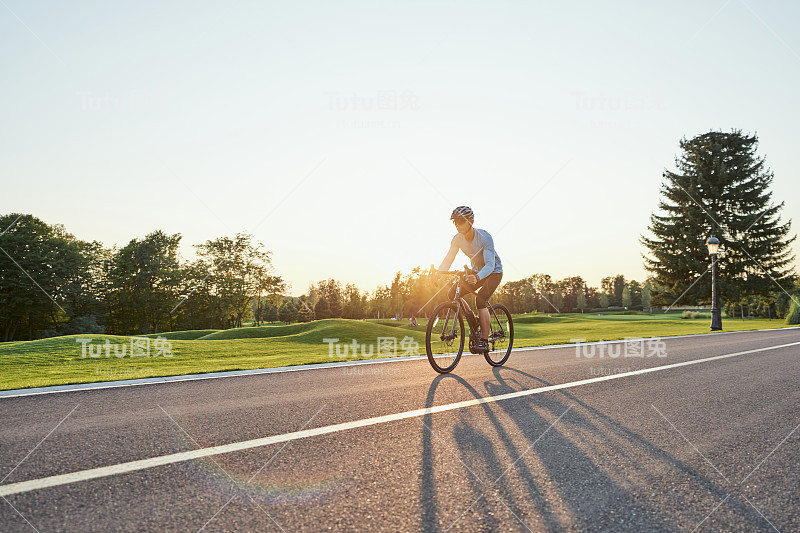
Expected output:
(472, 279)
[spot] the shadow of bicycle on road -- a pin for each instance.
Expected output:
(550, 462)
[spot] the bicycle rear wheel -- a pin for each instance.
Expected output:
(501, 338)
(444, 338)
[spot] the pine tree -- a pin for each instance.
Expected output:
(721, 188)
(322, 310)
(305, 313)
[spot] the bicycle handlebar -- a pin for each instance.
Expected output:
(467, 271)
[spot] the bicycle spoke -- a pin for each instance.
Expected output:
(445, 338)
(501, 337)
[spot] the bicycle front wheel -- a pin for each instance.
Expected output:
(444, 338)
(502, 337)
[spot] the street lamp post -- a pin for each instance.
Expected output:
(716, 319)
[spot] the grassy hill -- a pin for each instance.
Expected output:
(58, 360)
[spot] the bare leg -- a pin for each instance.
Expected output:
(483, 318)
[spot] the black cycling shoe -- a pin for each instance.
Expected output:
(482, 346)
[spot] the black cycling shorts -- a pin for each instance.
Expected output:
(483, 289)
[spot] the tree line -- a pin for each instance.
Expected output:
(52, 283)
(419, 291)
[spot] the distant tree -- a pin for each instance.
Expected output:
(336, 307)
(304, 312)
(330, 290)
(604, 300)
(646, 296)
(355, 304)
(619, 288)
(793, 316)
(635, 290)
(581, 300)
(613, 286)
(592, 297)
(41, 272)
(541, 290)
(380, 302)
(626, 297)
(783, 300)
(288, 312)
(87, 295)
(271, 313)
(418, 288)
(721, 188)
(238, 271)
(322, 310)
(558, 301)
(144, 278)
(396, 295)
(512, 295)
(569, 288)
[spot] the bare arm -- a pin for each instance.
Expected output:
(451, 255)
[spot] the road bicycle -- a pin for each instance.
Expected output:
(444, 338)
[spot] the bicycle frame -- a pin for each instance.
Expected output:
(463, 308)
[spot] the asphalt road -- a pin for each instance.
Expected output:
(706, 446)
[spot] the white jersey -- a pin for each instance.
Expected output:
(480, 251)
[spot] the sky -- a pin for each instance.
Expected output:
(342, 134)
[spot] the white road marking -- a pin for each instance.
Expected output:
(132, 466)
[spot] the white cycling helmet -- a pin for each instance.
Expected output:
(462, 211)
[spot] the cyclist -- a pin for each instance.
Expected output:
(476, 244)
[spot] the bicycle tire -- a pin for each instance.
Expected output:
(441, 353)
(500, 347)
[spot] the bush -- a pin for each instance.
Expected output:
(694, 314)
(82, 325)
(793, 316)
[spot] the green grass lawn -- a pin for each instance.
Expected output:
(58, 360)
